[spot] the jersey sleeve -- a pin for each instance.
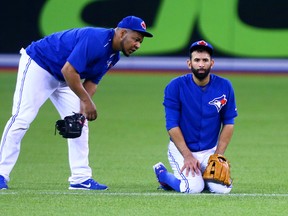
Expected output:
(229, 113)
(171, 105)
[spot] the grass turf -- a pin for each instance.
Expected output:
(129, 137)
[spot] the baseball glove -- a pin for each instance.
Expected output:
(70, 126)
(218, 169)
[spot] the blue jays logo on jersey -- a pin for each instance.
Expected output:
(219, 102)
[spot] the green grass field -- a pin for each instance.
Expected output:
(129, 137)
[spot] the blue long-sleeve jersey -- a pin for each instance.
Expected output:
(200, 112)
(88, 50)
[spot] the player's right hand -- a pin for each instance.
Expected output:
(192, 165)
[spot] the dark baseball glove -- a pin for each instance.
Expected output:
(70, 126)
(218, 169)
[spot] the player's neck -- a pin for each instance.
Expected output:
(116, 42)
(203, 82)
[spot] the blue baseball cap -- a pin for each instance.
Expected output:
(134, 23)
(201, 45)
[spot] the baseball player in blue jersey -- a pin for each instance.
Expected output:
(200, 109)
(66, 67)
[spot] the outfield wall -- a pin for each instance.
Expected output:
(242, 38)
(179, 64)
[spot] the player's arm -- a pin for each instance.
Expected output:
(191, 164)
(224, 138)
(73, 80)
(91, 88)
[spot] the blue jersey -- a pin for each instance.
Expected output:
(88, 50)
(200, 112)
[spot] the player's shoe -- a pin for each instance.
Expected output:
(89, 184)
(3, 183)
(159, 168)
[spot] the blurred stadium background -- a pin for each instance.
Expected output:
(249, 36)
(244, 41)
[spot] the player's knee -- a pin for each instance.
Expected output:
(192, 186)
(20, 125)
(219, 188)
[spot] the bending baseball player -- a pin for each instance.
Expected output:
(200, 109)
(54, 67)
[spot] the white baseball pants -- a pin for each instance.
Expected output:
(34, 86)
(194, 184)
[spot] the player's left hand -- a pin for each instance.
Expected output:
(218, 169)
(70, 126)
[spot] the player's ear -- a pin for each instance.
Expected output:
(212, 63)
(189, 63)
(123, 32)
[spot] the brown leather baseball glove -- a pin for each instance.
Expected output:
(218, 169)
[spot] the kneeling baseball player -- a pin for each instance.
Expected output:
(199, 109)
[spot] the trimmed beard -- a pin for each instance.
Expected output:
(122, 49)
(200, 76)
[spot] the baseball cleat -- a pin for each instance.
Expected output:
(166, 187)
(159, 168)
(3, 184)
(89, 184)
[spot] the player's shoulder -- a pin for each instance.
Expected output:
(180, 79)
(178, 83)
(220, 80)
(96, 37)
(89, 30)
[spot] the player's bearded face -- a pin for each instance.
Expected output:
(200, 74)
(131, 42)
(200, 64)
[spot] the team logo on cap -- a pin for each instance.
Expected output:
(219, 102)
(202, 43)
(143, 25)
